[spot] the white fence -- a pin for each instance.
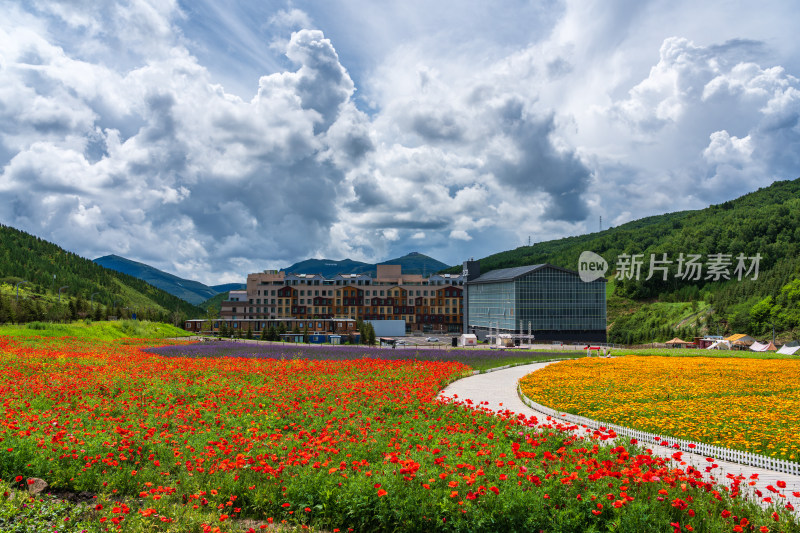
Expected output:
(717, 452)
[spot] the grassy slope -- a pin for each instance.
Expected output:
(96, 330)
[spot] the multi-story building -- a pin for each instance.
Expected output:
(551, 303)
(433, 304)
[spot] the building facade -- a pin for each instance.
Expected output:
(552, 303)
(433, 304)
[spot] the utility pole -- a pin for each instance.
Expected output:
(61, 290)
(18, 284)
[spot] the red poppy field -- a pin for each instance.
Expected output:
(237, 444)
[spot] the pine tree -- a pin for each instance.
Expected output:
(264, 334)
(371, 335)
(249, 334)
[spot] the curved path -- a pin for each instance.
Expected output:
(497, 391)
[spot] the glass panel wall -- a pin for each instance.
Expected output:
(551, 299)
(492, 303)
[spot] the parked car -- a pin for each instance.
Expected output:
(432, 339)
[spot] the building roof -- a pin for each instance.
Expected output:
(740, 337)
(505, 274)
(509, 274)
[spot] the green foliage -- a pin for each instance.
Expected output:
(215, 302)
(26, 257)
(20, 513)
(659, 322)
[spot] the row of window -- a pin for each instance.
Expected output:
(324, 292)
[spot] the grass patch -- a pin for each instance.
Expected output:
(22, 513)
(100, 330)
(693, 352)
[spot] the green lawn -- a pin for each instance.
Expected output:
(102, 330)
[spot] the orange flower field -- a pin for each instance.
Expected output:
(745, 404)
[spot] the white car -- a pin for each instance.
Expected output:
(432, 339)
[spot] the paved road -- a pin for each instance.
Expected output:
(498, 391)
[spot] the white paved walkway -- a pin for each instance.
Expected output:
(499, 390)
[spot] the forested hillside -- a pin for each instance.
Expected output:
(192, 291)
(91, 290)
(765, 222)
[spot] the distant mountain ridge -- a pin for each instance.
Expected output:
(411, 263)
(190, 291)
(197, 293)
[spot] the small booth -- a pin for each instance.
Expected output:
(468, 339)
(335, 339)
(505, 340)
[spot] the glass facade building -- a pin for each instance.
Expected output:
(553, 303)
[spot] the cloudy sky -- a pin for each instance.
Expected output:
(212, 139)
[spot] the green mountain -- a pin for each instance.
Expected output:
(764, 222)
(214, 304)
(225, 287)
(412, 263)
(193, 292)
(329, 267)
(86, 287)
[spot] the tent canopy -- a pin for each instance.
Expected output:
(676, 340)
(758, 347)
(788, 350)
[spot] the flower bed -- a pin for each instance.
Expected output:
(232, 443)
(745, 404)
